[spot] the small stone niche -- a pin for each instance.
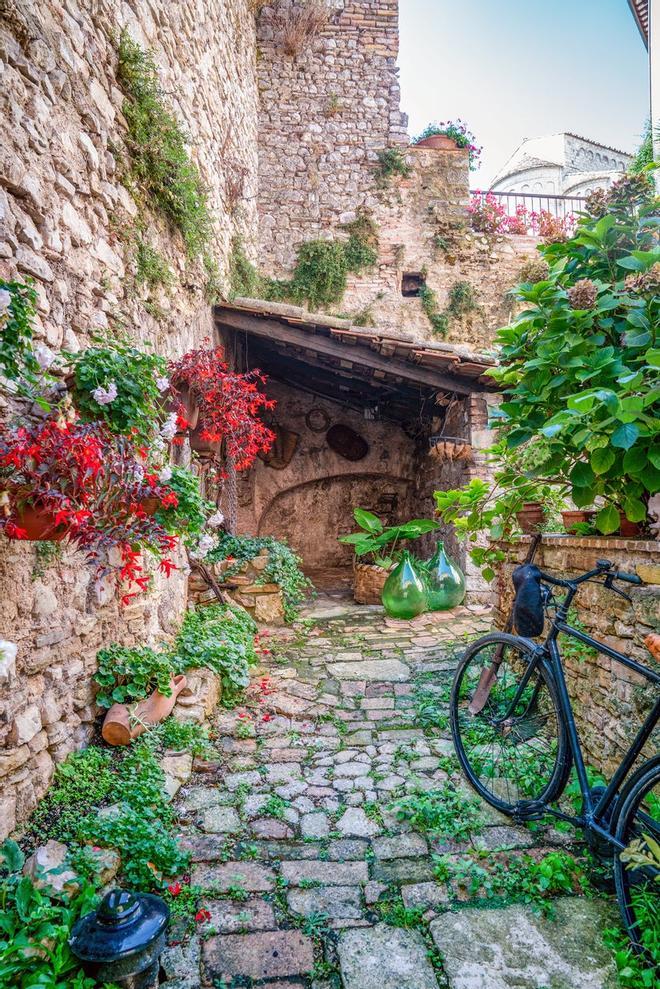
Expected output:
(412, 283)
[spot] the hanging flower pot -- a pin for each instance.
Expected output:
(531, 516)
(39, 524)
(439, 142)
(445, 582)
(404, 593)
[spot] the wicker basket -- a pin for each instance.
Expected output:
(368, 583)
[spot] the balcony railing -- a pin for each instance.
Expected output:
(534, 202)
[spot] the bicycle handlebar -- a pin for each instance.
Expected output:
(603, 568)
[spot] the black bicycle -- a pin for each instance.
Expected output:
(516, 739)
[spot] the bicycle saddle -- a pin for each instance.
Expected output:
(528, 614)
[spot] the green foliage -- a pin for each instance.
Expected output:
(159, 160)
(581, 363)
(244, 279)
(127, 674)
(374, 537)
(436, 316)
(138, 404)
(444, 813)
(283, 567)
(644, 154)
(635, 971)
(45, 554)
(391, 162)
(320, 274)
(175, 736)
(35, 928)
(275, 806)
(17, 361)
(189, 516)
(392, 911)
(183, 905)
(151, 268)
(220, 638)
(462, 300)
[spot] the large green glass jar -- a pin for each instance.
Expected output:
(404, 592)
(444, 581)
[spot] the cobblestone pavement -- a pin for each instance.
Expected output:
(310, 877)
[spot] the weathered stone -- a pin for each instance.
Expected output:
(251, 876)
(401, 846)
(383, 957)
(271, 827)
(220, 820)
(354, 821)
(328, 873)
(424, 895)
(179, 961)
(314, 825)
(229, 917)
(46, 867)
(336, 902)
(495, 949)
(278, 954)
(391, 670)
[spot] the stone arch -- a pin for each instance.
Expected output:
(311, 515)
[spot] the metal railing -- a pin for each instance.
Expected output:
(559, 206)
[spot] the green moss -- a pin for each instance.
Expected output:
(436, 317)
(462, 299)
(151, 268)
(391, 162)
(160, 164)
(244, 279)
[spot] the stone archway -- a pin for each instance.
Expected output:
(311, 515)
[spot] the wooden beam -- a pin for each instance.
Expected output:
(273, 329)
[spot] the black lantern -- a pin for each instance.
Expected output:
(122, 941)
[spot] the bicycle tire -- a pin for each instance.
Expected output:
(562, 761)
(626, 826)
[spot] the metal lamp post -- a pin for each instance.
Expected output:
(122, 940)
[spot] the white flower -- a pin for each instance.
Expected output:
(215, 521)
(104, 396)
(5, 299)
(138, 473)
(163, 383)
(158, 444)
(165, 475)
(44, 356)
(169, 428)
(204, 546)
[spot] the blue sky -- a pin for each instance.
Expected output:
(523, 68)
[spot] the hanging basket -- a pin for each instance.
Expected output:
(449, 448)
(368, 582)
(39, 524)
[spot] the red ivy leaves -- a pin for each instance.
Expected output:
(229, 403)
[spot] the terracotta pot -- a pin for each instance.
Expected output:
(150, 505)
(368, 583)
(38, 523)
(531, 516)
(629, 529)
(572, 517)
(652, 643)
(122, 724)
(439, 142)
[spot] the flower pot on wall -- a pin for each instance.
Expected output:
(531, 516)
(368, 583)
(572, 517)
(39, 524)
(439, 142)
(629, 529)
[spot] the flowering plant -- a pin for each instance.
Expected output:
(187, 516)
(458, 131)
(93, 487)
(120, 385)
(229, 403)
(488, 214)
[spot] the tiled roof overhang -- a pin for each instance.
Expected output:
(443, 366)
(640, 11)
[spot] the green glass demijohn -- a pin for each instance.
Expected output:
(445, 583)
(404, 593)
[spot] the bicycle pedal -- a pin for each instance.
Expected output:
(529, 810)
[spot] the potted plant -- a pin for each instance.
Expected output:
(229, 405)
(380, 548)
(77, 479)
(530, 516)
(573, 517)
(188, 515)
(450, 135)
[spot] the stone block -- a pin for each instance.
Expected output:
(26, 725)
(268, 954)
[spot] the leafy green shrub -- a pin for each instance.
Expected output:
(282, 568)
(644, 154)
(372, 540)
(436, 316)
(391, 162)
(35, 928)
(320, 273)
(189, 516)
(221, 638)
(151, 268)
(128, 674)
(444, 813)
(160, 162)
(462, 299)
(131, 373)
(244, 279)
(81, 782)
(18, 301)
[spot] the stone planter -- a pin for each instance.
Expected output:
(439, 142)
(531, 516)
(368, 583)
(264, 602)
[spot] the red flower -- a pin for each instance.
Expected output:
(174, 888)
(169, 499)
(202, 916)
(166, 566)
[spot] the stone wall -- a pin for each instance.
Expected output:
(610, 700)
(67, 221)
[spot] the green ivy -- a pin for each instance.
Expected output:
(436, 316)
(283, 567)
(128, 674)
(17, 361)
(159, 160)
(220, 638)
(151, 268)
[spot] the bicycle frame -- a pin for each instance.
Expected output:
(594, 812)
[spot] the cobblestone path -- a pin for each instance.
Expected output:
(311, 879)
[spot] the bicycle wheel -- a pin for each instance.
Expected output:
(513, 749)
(637, 870)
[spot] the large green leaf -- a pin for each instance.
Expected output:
(367, 520)
(625, 435)
(602, 459)
(582, 475)
(607, 520)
